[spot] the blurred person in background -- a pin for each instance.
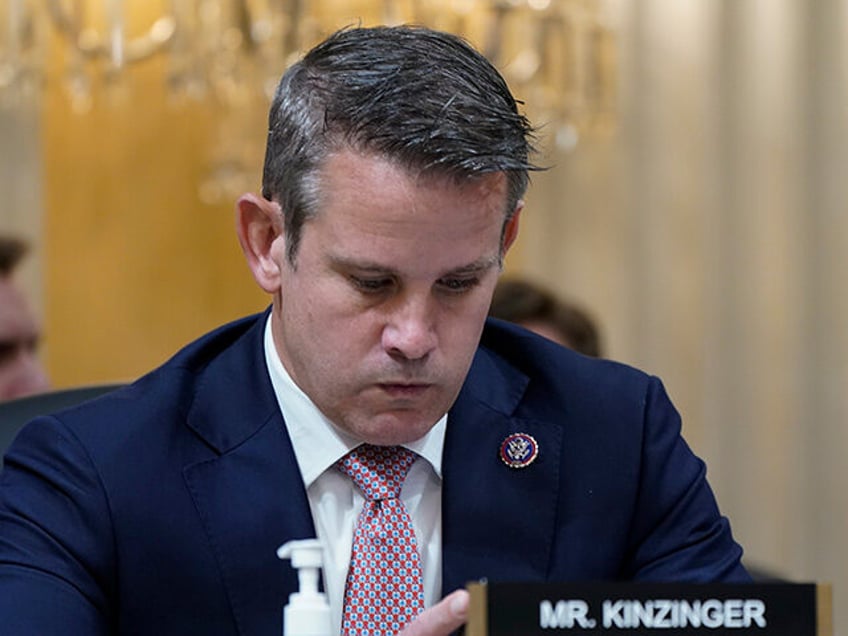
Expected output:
(538, 309)
(21, 372)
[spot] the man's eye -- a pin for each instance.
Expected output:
(8, 350)
(459, 285)
(371, 285)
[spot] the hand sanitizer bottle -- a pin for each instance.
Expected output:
(308, 612)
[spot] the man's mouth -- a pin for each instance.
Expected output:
(404, 389)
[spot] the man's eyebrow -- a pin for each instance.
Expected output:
(477, 266)
(343, 262)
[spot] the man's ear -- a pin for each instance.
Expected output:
(259, 225)
(510, 232)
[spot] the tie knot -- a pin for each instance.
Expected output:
(378, 471)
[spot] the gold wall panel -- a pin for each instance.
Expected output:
(135, 264)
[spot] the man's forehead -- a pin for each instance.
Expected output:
(421, 173)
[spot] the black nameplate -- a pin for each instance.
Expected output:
(643, 609)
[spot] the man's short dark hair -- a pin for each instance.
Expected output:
(12, 250)
(422, 98)
(521, 301)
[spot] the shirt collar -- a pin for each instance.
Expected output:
(317, 443)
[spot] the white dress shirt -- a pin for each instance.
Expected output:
(335, 501)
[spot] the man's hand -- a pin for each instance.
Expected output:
(444, 617)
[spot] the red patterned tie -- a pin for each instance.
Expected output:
(384, 587)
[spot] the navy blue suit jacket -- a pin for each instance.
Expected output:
(158, 509)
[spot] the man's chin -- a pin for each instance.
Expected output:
(392, 429)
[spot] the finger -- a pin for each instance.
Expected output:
(444, 617)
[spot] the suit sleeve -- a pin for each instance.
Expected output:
(678, 533)
(56, 543)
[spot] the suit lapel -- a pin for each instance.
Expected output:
(250, 495)
(497, 522)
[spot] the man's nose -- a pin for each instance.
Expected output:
(410, 331)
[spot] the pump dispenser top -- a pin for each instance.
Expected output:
(307, 612)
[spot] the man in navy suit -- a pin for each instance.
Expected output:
(396, 165)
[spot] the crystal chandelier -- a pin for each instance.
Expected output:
(557, 55)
